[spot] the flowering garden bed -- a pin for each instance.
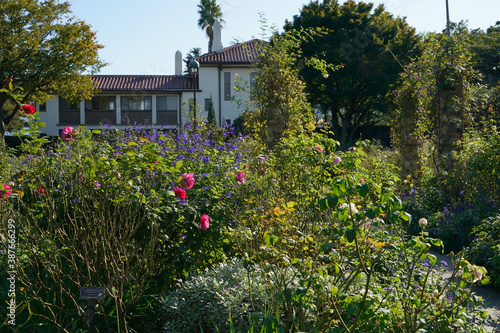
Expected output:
(309, 238)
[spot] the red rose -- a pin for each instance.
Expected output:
(67, 133)
(187, 180)
(5, 192)
(41, 191)
(204, 222)
(28, 109)
(240, 178)
(180, 193)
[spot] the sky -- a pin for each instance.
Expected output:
(142, 36)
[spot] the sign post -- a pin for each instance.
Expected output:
(92, 294)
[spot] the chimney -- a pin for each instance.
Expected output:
(178, 63)
(217, 45)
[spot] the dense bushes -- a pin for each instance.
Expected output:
(321, 234)
(485, 247)
(219, 299)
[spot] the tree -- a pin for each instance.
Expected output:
(437, 101)
(486, 47)
(373, 48)
(278, 104)
(194, 53)
(209, 12)
(43, 50)
(211, 113)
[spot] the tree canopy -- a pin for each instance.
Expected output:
(486, 46)
(209, 12)
(372, 46)
(44, 50)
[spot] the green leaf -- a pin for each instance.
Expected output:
(350, 234)
(362, 189)
(373, 212)
(271, 240)
(328, 202)
(342, 185)
(178, 164)
(325, 247)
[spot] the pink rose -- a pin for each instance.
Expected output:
(336, 160)
(5, 192)
(67, 133)
(28, 109)
(180, 193)
(204, 222)
(187, 180)
(240, 178)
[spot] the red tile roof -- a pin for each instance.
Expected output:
(144, 82)
(240, 53)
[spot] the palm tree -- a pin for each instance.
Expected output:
(209, 12)
(193, 54)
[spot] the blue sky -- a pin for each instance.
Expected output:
(142, 36)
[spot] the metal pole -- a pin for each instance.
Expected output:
(91, 315)
(194, 99)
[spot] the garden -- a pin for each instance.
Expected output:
(207, 230)
(281, 227)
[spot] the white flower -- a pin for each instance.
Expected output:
(477, 273)
(352, 207)
(422, 222)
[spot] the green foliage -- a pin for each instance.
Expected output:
(454, 224)
(370, 45)
(355, 268)
(100, 210)
(478, 164)
(323, 246)
(44, 50)
(211, 119)
(436, 102)
(204, 302)
(371, 161)
(485, 248)
(278, 101)
(486, 46)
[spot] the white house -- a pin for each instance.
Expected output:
(160, 100)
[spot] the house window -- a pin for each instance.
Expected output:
(227, 86)
(136, 109)
(42, 107)
(69, 113)
(207, 104)
(100, 110)
(166, 110)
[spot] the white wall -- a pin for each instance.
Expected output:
(50, 118)
(212, 84)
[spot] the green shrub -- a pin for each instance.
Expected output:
(485, 248)
(454, 224)
(215, 300)
(478, 164)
